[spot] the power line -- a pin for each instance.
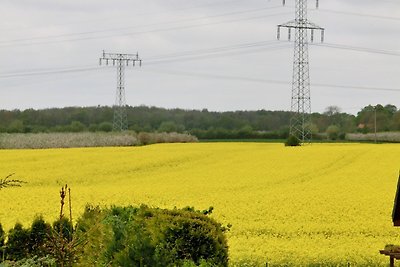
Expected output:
(358, 49)
(268, 81)
(205, 75)
(359, 14)
(220, 54)
(16, 41)
(252, 47)
(214, 49)
(119, 18)
(47, 72)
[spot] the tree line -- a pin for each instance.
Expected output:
(333, 123)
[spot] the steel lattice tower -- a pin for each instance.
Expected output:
(301, 97)
(120, 60)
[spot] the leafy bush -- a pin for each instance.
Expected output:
(105, 127)
(64, 227)
(121, 236)
(2, 239)
(38, 236)
(18, 243)
(292, 141)
(333, 132)
(34, 261)
(132, 236)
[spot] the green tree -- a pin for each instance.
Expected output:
(245, 132)
(105, 127)
(312, 127)
(333, 132)
(38, 236)
(16, 126)
(77, 126)
(167, 127)
(18, 243)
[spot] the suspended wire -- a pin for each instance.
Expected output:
(357, 14)
(194, 55)
(358, 49)
(252, 47)
(202, 56)
(215, 49)
(48, 72)
(209, 76)
(16, 41)
(266, 81)
(119, 18)
(23, 41)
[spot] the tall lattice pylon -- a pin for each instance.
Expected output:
(301, 97)
(120, 122)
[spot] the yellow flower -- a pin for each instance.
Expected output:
(322, 203)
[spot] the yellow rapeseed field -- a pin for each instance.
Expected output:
(322, 203)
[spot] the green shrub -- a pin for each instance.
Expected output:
(64, 227)
(333, 132)
(38, 236)
(18, 243)
(105, 127)
(121, 236)
(292, 141)
(143, 236)
(2, 239)
(34, 261)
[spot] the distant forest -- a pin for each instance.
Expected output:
(204, 124)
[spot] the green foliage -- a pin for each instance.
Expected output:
(333, 132)
(92, 128)
(18, 243)
(77, 126)
(121, 236)
(202, 263)
(98, 235)
(260, 124)
(34, 261)
(2, 240)
(105, 127)
(16, 126)
(167, 127)
(64, 227)
(132, 236)
(292, 141)
(38, 236)
(63, 245)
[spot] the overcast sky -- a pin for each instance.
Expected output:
(215, 54)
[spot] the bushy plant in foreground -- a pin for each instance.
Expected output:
(18, 243)
(143, 236)
(2, 239)
(39, 236)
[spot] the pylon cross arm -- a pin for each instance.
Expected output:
(304, 25)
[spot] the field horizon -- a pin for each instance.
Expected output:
(324, 204)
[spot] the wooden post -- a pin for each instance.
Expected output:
(391, 261)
